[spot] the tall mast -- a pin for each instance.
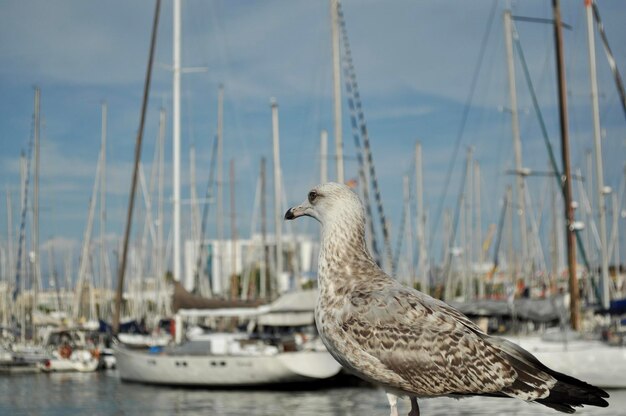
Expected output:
(447, 243)
(21, 266)
(421, 219)
(616, 214)
(103, 155)
(53, 274)
(589, 182)
(408, 229)
(462, 244)
(278, 220)
(517, 144)
(68, 281)
(9, 249)
(233, 234)
(160, 261)
(466, 228)
(567, 182)
(265, 256)
(478, 230)
(334, 31)
(220, 185)
(23, 179)
(84, 252)
(195, 212)
(35, 231)
(323, 156)
(597, 146)
(10, 230)
(510, 253)
(554, 238)
(469, 224)
(176, 139)
(133, 187)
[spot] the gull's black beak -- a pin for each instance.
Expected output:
(297, 211)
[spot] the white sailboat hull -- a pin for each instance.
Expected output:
(592, 361)
(144, 341)
(225, 370)
(81, 361)
(67, 365)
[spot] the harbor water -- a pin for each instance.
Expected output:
(102, 393)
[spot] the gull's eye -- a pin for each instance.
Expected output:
(312, 196)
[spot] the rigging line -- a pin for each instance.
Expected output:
(464, 117)
(455, 225)
(498, 168)
(483, 115)
(251, 258)
(542, 204)
(544, 132)
(538, 255)
(365, 136)
(587, 209)
(147, 191)
(347, 63)
(496, 248)
(400, 238)
(620, 196)
(85, 257)
(362, 177)
(542, 80)
(205, 212)
(22, 235)
(610, 58)
(148, 227)
(593, 229)
(538, 20)
(413, 208)
(226, 72)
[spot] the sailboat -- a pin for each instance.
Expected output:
(69, 352)
(243, 358)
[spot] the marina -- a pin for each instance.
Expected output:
(464, 185)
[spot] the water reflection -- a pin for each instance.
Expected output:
(104, 394)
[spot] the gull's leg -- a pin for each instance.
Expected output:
(415, 409)
(393, 403)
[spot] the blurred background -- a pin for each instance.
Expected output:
(442, 115)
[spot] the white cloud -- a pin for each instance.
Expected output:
(60, 244)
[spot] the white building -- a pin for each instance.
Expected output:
(216, 264)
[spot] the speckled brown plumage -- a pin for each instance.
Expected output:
(406, 341)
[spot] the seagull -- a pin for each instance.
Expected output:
(407, 342)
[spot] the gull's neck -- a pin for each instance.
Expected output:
(343, 251)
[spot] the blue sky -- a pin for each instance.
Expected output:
(414, 63)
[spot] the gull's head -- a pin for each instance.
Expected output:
(328, 203)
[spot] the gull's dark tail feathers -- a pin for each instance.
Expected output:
(565, 395)
(570, 392)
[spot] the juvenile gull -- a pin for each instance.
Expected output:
(406, 341)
